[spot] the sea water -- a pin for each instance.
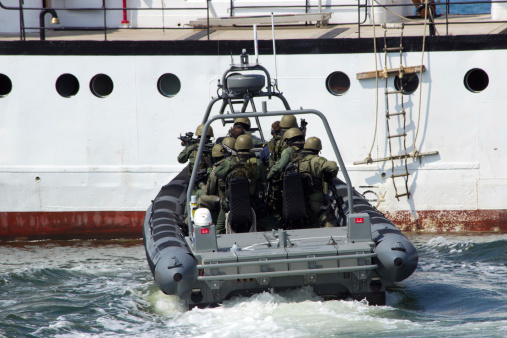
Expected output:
(464, 6)
(105, 289)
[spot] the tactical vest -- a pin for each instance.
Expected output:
(306, 163)
(280, 146)
(244, 165)
(205, 163)
(273, 155)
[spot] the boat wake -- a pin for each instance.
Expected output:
(294, 313)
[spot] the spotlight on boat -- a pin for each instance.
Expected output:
(55, 21)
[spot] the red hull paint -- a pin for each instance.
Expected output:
(71, 225)
(128, 224)
(450, 220)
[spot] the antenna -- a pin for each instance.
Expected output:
(274, 47)
(256, 44)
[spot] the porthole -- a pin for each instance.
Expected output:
(5, 85)
(476, 80)
(101, 85)
(338, 83)
(67, 85)
(169, 85)
(410, 83)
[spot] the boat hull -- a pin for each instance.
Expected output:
(207, 278)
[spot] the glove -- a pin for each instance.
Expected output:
(224, 204)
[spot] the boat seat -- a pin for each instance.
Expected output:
(240, 215)
(294, 214)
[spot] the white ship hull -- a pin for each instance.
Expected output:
(88, 165)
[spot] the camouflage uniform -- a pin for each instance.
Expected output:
(189, 153)
(277, 144)
(244, 161)
(295, 138)
(279, 167)
(214, 190)
(273, 154)
(322, 172)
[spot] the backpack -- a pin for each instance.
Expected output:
(304, 162)
(243, 167)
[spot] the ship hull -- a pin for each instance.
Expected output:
(92, 162)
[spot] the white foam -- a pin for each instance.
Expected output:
(166, 305)
(299, 314)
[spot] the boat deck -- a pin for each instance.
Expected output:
(480, 24)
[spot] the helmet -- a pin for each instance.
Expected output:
(228, 142)
(313, 143)
(244, 142)
(200, 128)
(292, 133)
(288, 121)
(202, 217)
(245, 121)
(217, 151)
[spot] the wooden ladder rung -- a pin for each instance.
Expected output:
(400, 175)
(390, 72)
(401, 195)
(395, 92)
(393, 49)
(395, 114)
(396, 157)
(400, 135)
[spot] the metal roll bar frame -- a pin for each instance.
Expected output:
(265, 113)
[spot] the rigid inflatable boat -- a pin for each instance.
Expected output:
(358, 259)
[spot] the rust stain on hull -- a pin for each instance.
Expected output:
(128, 224)
(450, 220)
(71, 225)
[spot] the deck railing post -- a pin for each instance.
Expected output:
(21, 21)
(207, 16)
(125, 20)
(105, 19)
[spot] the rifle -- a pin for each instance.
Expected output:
(303, 125)
(229, 149)
(207, 148)
(187, 140)
(202, 176)
(206, 151)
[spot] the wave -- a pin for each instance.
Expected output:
(468, 249)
